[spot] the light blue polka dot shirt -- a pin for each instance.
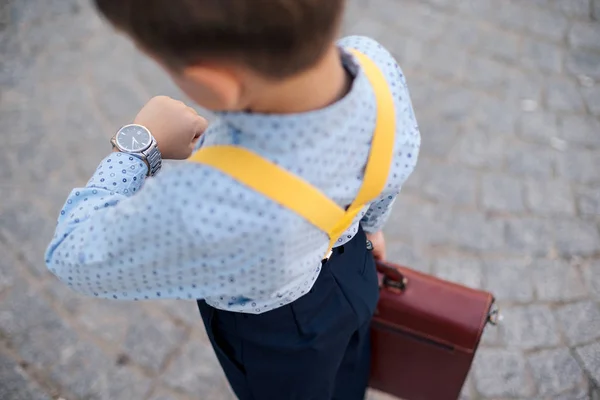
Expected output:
(191, 232)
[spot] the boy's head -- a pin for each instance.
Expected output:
(218, 50)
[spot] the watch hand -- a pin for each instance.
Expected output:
(133, 142)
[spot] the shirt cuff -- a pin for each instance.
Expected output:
(120, 173)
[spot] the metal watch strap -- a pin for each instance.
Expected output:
(153, 158)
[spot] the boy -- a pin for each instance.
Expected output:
(285, 322)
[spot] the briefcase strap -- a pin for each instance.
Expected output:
(295, 193)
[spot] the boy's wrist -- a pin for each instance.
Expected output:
(175, 126)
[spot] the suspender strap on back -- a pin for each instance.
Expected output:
(295, 193)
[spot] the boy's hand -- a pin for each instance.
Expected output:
(175, 126)
(378, 241)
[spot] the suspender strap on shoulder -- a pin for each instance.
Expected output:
(300, 196)
(382, 146)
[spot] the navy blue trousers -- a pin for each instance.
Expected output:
(316, 348)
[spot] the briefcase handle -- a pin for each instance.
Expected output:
(392, 279)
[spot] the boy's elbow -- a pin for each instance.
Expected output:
(63, 266)
(63, 272)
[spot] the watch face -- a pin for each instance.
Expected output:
(133, 138)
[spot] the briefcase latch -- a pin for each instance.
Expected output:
(494, 316)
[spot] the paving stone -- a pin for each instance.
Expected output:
(530, 327)
(583, 62)
(223, 391)
(538, 126)
(184, 311)
(16, 384)
(122, 106)
(454, 103)
(573, 8)
(150, 340)
(578, 393)
(474, 231)
(564, 96)
(502, 193)
(596, 10)
(550, 197)
(448, 185)
(425, 22)
(591, 273)
(529, 236)
(37, 41)
(354, 10)
(580, 130)
(407, 52)
(89, 374)
(590, 356)
(426, 95)
(492, 337)
(498, 43)
(430, 225)
(557, 280)
(585, 34)
(580, 322)
(7, 264)
(467, 272)
(34, 329)
(468, 391)
(365, 26)
(123, 383)
(163, 396)
(530, 160)
(479, 9)
(435, 61)
(195, 370)
(479, 149)
(576, 237)
(541, 56)
(463, 32)
(486, 74)
(502, 373)
(46, 342)
(494, 115)
(509, 280)
(543, 22)
(110, 320)
(592, 99)
(439, 137)
(524, 85)
(26, 228)
(71, 301)
(579, 166)
(410, 255)
(555, 371)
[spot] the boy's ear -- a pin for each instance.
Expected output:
(221, 86)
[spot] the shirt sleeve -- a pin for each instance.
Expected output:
(378, 214)
(117, 239)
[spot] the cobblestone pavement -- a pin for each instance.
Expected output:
(506, 195)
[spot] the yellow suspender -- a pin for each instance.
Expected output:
(300, 196)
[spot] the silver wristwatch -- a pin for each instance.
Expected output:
(138, 141)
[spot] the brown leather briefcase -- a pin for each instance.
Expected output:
(425, 333)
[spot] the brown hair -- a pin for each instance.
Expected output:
(276, 38)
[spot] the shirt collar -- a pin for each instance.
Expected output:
(256, 123)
